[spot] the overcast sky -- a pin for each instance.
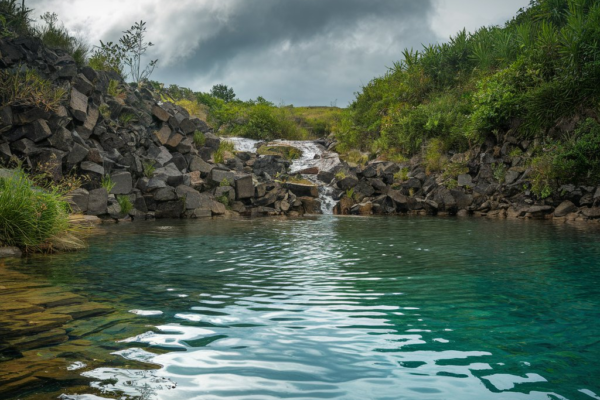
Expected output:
(301, 52)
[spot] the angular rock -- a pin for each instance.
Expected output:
(62, 140)
(79, 199)
(198, 164)
(465, 180)
(244, 187)
(79, 105)
(347, 183)
(77, 154)
(325, 176)
(163, 135)
(160, 113)
(219, 175)
(98, 202)
(40, 131)
(90, 167)
(591, 213)
(159, 154)
(565, 208)
(192, 198)
(165, 194)
(302, 190)
(122, 181)
(170, 209)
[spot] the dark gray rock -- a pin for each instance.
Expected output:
(62, 140)
(79, 199)
(170, 209)
(165, 194)
(77, 154)
(40, 131)
(347, 183)
(465, 180)
(192, 198)
(122, 181)
(160, 155)
(244, 187)
(88, 167)
(301, 190)
(153, 184)
(565, 208)
(98, 202)
(591, 213)
(325, 176)
(78, 105)
(198, 164)
(219, 175)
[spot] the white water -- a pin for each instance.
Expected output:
(313, 155)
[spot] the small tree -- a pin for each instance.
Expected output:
(223, 92)
(135, 47)
(127, 52)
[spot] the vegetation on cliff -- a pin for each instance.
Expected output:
(537, 78)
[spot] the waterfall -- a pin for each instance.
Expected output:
(313, 155)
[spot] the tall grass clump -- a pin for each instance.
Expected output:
(28, 89)
(54, 35)
(30, 217)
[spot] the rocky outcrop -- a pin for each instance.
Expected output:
(486, 181)
(146, 148)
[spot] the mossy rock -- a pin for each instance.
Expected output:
(287, 152)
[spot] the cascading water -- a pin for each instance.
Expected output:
(313, 155)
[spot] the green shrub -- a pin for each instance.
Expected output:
(340, 175)
(14, 19)
(199, 139)
(114, 90)
(224, 199)
(126, 118)
(401, 175)
(225, 182)
(149, 167)
(434, 159)
(104, 110)
(499, 171)
(107, 183)
(125, 204)
(29, 217)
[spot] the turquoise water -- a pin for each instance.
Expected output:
(348, 308)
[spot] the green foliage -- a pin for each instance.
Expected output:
(540, 68)
(114, 90)
(224, 199)
(104, 110)
(454, 169)
(356, 157)
(14, 19)
(26, 88)
(401, 175)
(149, 167)
(499, 171)
(451, 184)
(199, 139)
(29, 216)
(223, 92)
(125, 204)
(127, 52)
(107, 183)
(224, 147)
(575, 159)
(287, 152)
(434, 159)
(350, 193)
(56, 36)
(134, 47)
(126, 118)
(340, 175)
(225, 182)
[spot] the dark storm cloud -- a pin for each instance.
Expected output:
(320, 50)
(297, 51)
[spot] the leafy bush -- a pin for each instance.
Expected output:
(114, 90)
(28, 89)
(28, 216)
(434, 159)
